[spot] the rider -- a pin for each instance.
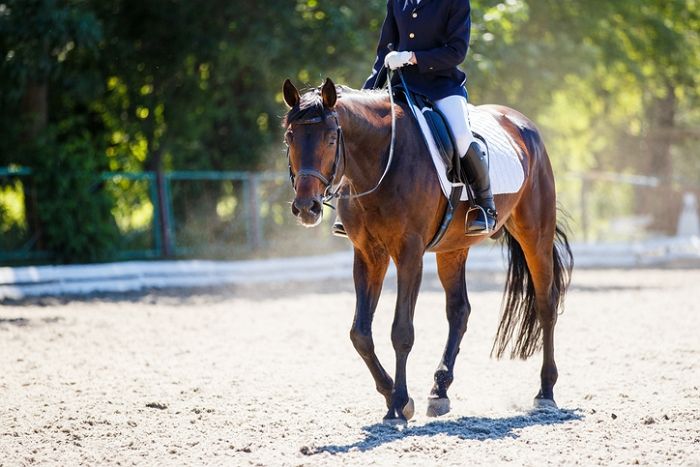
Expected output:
(431, 39)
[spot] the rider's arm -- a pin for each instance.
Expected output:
(453, 52)
(389, 35)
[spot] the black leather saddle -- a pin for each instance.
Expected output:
(440, 130)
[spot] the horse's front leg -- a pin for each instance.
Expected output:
(451, 270)
(409, 266)
(368, 271)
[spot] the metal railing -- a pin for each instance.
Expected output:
(163, 224)
(171, 209)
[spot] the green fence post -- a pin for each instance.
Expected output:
(254, 212)
(245, 194)
(171, 246)
(157, 208)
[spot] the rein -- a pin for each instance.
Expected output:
(336, 194)
(329, 193)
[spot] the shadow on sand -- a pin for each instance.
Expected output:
(467, 428)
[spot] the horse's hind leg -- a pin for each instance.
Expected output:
(541, 265)
(538, 278)
(451, 269)
(369, 270)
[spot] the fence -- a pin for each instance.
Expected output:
(174, 214)
(211, 214)
(160, 197)
(607, 206)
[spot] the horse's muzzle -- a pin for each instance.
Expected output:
(309, 211)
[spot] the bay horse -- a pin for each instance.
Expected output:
(340, 136)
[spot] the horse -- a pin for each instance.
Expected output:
(338, 136)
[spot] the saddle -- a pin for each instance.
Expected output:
(447, 148)
(441, 133)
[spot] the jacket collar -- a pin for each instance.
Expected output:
(420, 5)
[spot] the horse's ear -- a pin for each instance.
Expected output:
(291, 93)
(329, 94)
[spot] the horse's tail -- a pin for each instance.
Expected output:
(519, 303)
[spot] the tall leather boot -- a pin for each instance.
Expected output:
(475, 171)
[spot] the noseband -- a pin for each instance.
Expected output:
(327, 182)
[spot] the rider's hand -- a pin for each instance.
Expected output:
(396, 60)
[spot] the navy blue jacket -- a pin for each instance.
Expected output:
(438, 32)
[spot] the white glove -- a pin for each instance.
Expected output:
(394, 60)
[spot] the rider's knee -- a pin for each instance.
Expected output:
(463, 141)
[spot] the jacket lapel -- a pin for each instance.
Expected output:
(421, 4)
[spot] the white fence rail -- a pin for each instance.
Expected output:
(16, 283)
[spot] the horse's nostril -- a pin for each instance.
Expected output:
(316, 207)
(307, 206)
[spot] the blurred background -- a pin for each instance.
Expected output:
(151, 128)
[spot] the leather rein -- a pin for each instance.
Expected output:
(330, 193)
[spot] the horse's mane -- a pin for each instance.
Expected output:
(311, 104)
(366, 97)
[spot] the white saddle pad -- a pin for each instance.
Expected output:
(505, 169)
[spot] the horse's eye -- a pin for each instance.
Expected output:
(288, 137)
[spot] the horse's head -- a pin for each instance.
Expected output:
(314, 142)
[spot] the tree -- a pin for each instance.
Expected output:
(49, 44)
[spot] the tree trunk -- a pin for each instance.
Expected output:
(35, 111)
(35, 108)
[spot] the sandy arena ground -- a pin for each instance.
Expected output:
(268, 376)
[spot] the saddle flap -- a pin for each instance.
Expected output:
(442, 135)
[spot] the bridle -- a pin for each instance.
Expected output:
(329, 193)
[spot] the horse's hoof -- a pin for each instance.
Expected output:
(409, 409)
(544, 403)
(438, 406)
(395, 422)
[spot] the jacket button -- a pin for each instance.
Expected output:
(411, 35)
(415, 15)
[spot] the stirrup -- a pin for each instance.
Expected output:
(338, 229)
(485, 231)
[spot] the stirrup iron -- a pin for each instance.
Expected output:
(338, 229)
(477, 233)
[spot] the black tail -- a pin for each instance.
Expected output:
(520, 306)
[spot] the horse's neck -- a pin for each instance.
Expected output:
(366, 136)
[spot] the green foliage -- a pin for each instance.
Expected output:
(182, 84)
(38, 36)
(74, 209)
(13, 225)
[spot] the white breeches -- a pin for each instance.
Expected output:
(455, 110)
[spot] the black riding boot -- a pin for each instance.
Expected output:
(475, 171)
(338, 229)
